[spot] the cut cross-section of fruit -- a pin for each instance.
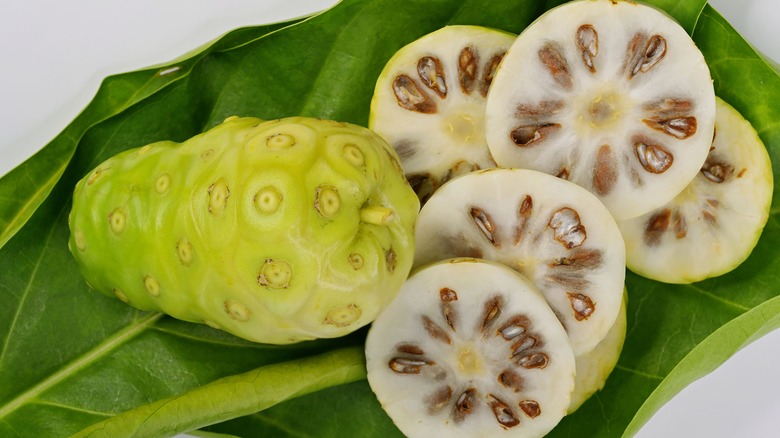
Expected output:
(429, 103)
(714, 224)
(470, 348)
(552, 231)
(612, 95)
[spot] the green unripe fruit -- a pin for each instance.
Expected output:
(276, 231)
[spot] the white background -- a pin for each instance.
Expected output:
(53, 55)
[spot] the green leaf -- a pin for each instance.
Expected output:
(71, 357)
(233, 396)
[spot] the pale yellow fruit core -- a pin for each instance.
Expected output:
(464, 127)
(601, 110)
(469, 361)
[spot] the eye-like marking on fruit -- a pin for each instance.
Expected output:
(429, 103)
(277, 231)
(712, 225)
(589, 94)
(504, 361)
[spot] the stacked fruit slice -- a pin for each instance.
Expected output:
(598, 115)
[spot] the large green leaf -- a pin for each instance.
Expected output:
(71, 357)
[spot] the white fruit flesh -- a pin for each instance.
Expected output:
(612, 95)
(714, 224)
(429, 103)
(470, 348)
(595, 366)
(552, 231)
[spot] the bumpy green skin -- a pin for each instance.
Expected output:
(276, 231)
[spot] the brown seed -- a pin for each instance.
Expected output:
(563, 173)
(656, 226)
(405, 365)
(464, 404)
(551, 57)
(680, 127)
(643, 54)
(411, 97)
(536, 360)
(503, 413)
(485, 224)
(410, 349)
(535, 113)
(462, 167)
(605, 171)
(447, 296)
(709, 217)
(468, 63)
(568, 228)
(579, 259)
(680, 226)
(569, 280)
(669, 108)
(490, 73)
(653, 157)
(424, 184)
(588, 43)
(582, 305)
(531, 408)
(511, 379)
(516, 326)
(432, 74)
(439, 399)
(715, 170)
(523, 214)
(490, 313)
(529, 135)
(435, 331)
(523, 344)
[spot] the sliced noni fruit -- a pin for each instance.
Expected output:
(594, 367)
(470, 348)
(552, 231)
(274, 231)
(610, 94)
(429, 103)
(714, 224)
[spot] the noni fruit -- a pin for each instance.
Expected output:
(276, 231)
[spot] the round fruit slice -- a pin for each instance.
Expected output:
(612, 95)
(429, 103)
(470, 348)
(714, 224)
(552, 231)
(595, 366)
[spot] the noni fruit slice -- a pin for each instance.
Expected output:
(595, 366)
(714, 224)
(469, 348)
(552, 231)
(610, 94)
(275, 231)
(429, 103)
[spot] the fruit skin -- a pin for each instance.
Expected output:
(276, 231)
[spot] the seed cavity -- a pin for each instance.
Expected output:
(511, 379)
(468, 63)
(485, 224)
(448, 296)
(342, 316)
(406, 365)
(117, 220)
(523, 344)
(523, 215)
(605, 171)
(237, 311)
(534, 361)
(464, 405)
(490, 313)
(568, 228)
(715, 170)
(410, 97)
(162, 184)
(424, 184)
(351, 152)
(680, 127)
(152, 286)
(579, 259)
(184, 250)
(582, 305)
(588, 43)
(218, 196)
(434, 331)
(275, 274)
(529, 135)
(514, 327)
(432, 74)
(643, 54)
(654, 158)
(356, 260)
(551, 56)
(267, 200)
(279, 141)
(503, 413)
(439, 399)
(531, 408)
(490, 73)
(327, 201)
(656, 226)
